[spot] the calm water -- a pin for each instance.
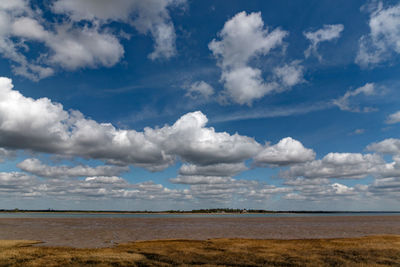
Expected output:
(158, 215)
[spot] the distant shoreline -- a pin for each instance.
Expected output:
(203, 211)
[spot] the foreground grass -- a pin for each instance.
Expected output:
(371, 251)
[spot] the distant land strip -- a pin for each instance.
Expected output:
(216, 210)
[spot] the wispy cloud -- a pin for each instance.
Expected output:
(272, 112)
(345, 104)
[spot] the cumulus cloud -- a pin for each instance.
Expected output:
(85, 38)
(199, 89)
(286, 152)
(383, 41)
(36, 167)
(385, 187)
(393, 118)
(327, 33)
(43, 126)
(336, 165)
(318, 192)
(389, 146)
(150, 17)
(193, 142)
(10, 49)
(203, 189)
(289, 75)
(319, 189)
(221, 169)
(311, 181)
(195, 179)
(223, 189)
(15, 183)
(242, 39)
(344, 102)
(87, 47)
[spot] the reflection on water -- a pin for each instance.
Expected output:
(182, 215)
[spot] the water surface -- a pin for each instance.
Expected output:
(182, 215)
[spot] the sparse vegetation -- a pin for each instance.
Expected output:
(375, 251)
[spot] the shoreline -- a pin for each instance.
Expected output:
(200, 213)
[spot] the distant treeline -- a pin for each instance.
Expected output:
(216, 210)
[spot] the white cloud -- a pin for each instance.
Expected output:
(336, 165)
(272, 112)
(385, 188)
(15, 183)
(199, 89)
(202, 189)
(319, 189)
(242, 39)
(85, 37)
(383, 41)
(388, 146)
(344, 102)
(86, 47)
(105, 180)
(289, 75)
(12, 5)
(286, 152)
(11, 49)
(224, 189)
(193, 142)
(327, 33)
(149, 17)
(43, 126)
(393, 118)
(195, 179)
(28, 28)
(221, 169)
(244, 84)
(318, 192)
(36, 167)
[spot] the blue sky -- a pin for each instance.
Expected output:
(177, 104)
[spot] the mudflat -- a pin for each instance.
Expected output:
(108, 232)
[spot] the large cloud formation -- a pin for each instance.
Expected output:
(211, 159)
(43, 126)
(85, 37)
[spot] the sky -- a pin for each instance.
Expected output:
(184, 104)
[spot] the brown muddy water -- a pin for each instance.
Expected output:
(107, 232)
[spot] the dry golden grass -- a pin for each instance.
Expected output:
(367, 251)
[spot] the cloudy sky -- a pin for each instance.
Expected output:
(180, 104)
